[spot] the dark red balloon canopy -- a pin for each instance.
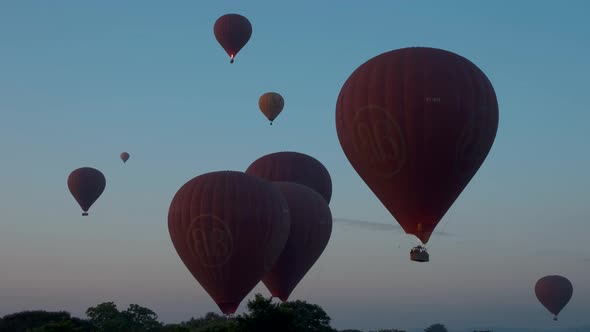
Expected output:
(86, 184)
(295, 167)
(228, 228)
(232, 31)
(416, 124)
(554, 292)
(311, 227)
(124, 156)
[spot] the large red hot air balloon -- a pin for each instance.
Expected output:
(294, 167)
(232, 31)
(554, 292)
(311, 227)
(228, 228)
(86, 185)
(416, 124)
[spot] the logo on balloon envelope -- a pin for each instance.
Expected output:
(378, 136)
(210, 239)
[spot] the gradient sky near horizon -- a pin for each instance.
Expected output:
(81, 82)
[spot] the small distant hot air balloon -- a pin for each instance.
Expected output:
(124, 157)
(416, 124)
(228, 228)
(232, 31)
(295, 167)
(554, 292)
(271, 104)
(311, 227)
(86, 185)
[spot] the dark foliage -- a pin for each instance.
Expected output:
(27, 321)
(263, 315)
(436, 328)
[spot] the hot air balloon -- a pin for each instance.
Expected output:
(228, 228)
(554, 292)
(311, 227)
(416, 124)
(294, 167)
(86, 185)
(124, 157)
(271, 104)
(232, 31)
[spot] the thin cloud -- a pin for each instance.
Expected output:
(368, 224)
(551, 252)
(557, 252)
(376, 226)
(561, 252)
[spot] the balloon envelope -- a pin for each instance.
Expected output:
(124, 156)
(294, 167)
(271, 104)
(416, 124)
(228, 228)
(86, 185)
(311, 227)
(554, 292)
(232, 31)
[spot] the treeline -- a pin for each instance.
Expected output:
(431, 328)
(263, 315)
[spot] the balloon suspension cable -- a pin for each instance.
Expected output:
(419, 243)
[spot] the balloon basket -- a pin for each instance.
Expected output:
(419, 254)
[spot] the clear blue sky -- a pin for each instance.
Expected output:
(82, 81)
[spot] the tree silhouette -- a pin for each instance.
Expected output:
(62, 326)
(210, 321)
(263, 315)
(308, 317)
(436, 328)
(175, 328)
(107, 318)
(27, 320)
(298, 316)
(141, 319)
